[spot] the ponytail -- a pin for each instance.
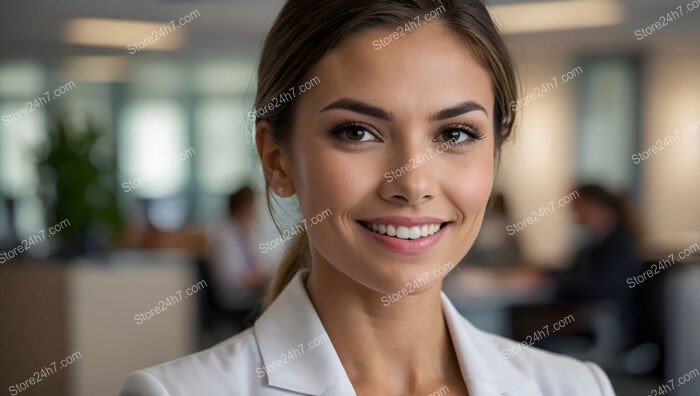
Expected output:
(296, 258)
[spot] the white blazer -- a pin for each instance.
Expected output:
(287, 352)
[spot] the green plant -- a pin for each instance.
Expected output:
(78, 177)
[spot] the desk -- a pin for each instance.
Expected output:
(485, 297)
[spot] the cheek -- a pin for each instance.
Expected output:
(470, 194)
(329, 179)
(476, 186)
(472, 189)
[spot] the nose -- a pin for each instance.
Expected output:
(410, 180)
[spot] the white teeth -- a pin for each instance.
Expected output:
(403, 232)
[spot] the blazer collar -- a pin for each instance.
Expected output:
(285, 332)
(485, 371)
(290, 326)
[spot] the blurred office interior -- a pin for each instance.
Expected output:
(119, 156)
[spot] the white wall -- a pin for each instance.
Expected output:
(539, 165)
(671, 178)
(102, 305)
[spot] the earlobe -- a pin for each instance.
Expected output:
(274, 160)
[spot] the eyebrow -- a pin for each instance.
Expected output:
(376, 112)
(360, 107)
(456, 110)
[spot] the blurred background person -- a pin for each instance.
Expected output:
(238, 275)
(608, 255)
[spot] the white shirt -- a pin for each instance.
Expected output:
(287, 352)
(232, 258)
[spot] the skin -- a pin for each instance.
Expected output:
(405, 347)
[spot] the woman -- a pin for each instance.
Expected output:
(399, 140)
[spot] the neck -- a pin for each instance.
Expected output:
(405, 345)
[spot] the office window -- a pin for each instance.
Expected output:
(21, 80)
(154, 154)
(21, 141)
(21, 137)
(607, 124)
(226, 145)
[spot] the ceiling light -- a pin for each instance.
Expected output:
(122, 33)
(557, 15)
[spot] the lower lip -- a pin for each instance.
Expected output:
(405, 246)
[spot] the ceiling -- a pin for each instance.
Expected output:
(34, 29)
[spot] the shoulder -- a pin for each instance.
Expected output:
(554, 374)
(516, 368)
(215, 371)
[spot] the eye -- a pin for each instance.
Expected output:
(353, 132)
(459, 134)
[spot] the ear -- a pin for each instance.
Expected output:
(274, 159)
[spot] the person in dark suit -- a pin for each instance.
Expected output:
(608, 257)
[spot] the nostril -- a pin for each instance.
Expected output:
(400, 198)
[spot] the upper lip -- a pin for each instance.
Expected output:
(405, 221)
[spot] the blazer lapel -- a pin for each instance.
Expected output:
(484, 370)
(289, 328)
(296, 352)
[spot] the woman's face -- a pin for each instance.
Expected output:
(399, 139)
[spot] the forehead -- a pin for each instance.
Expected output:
(428, 65)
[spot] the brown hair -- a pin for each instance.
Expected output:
(305, 30)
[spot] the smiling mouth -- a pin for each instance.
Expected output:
(403, 232)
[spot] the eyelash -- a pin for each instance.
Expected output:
(473, 133)
(348, 125)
